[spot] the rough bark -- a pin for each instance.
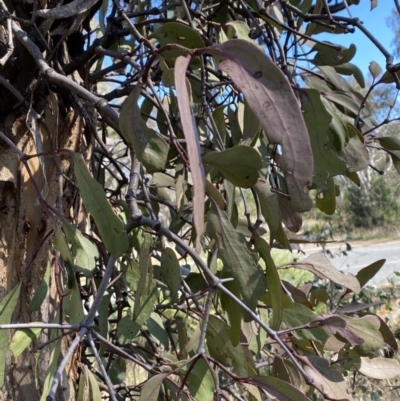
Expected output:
(25, 234)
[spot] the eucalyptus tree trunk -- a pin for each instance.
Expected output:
(26, 232)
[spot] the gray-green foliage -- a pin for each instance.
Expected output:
(214, 103)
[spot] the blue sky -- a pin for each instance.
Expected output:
(375, 22)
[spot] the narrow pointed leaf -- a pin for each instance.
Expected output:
(150, 148)
(271, 98)
(200, 382)
(240, 165)
(368, 272)
(7, 306)
(171, 271)
(110, 226)
(193, 147)
(273, 282)
(238, 260)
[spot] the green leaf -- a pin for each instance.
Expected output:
(72, 303)
(299, 315)
(200, 382)
(240, 165)
(375, 69)
(269, 205)
(170, 271)
(222, 349)
(178, 33)
(238, 261)
(327, 55)
(380, 368)
(271, 98)
(277, 388)
(238, 29)
(367, 328)
(94, 390)
(351, 69)
(327, 164)
(7, 306)
(329, 382)
(21, 340)
(343, 100)
(150, 148)
(389, 142)
(94, 199)
(51, 370)
(273, 282)
(354, 154)
(83, 250)
(326, 200)
(368, 272)
(41, 292)
(151, 388)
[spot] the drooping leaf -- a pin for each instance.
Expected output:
(109, 225)
(21, 340)
(368, 272)
(7, 306)
(318, 264)
(269, 205)
(200, 382)
(272, 101)
(273, 282)
(236, 257)
(277, 388)
(222, 349)
(94, 390)
(151, 388)
(41, 292)
(329, 382)
(233, 311)
(389, 142)
(327, 164)
(354, 154)
(171, 271)
(193, 147)
(51, 370)
(374, 3)
(380, 368)
(326, 200)
(83, 250)
(150, 148)
(290, 218)
(72, 303)
(240, 165)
